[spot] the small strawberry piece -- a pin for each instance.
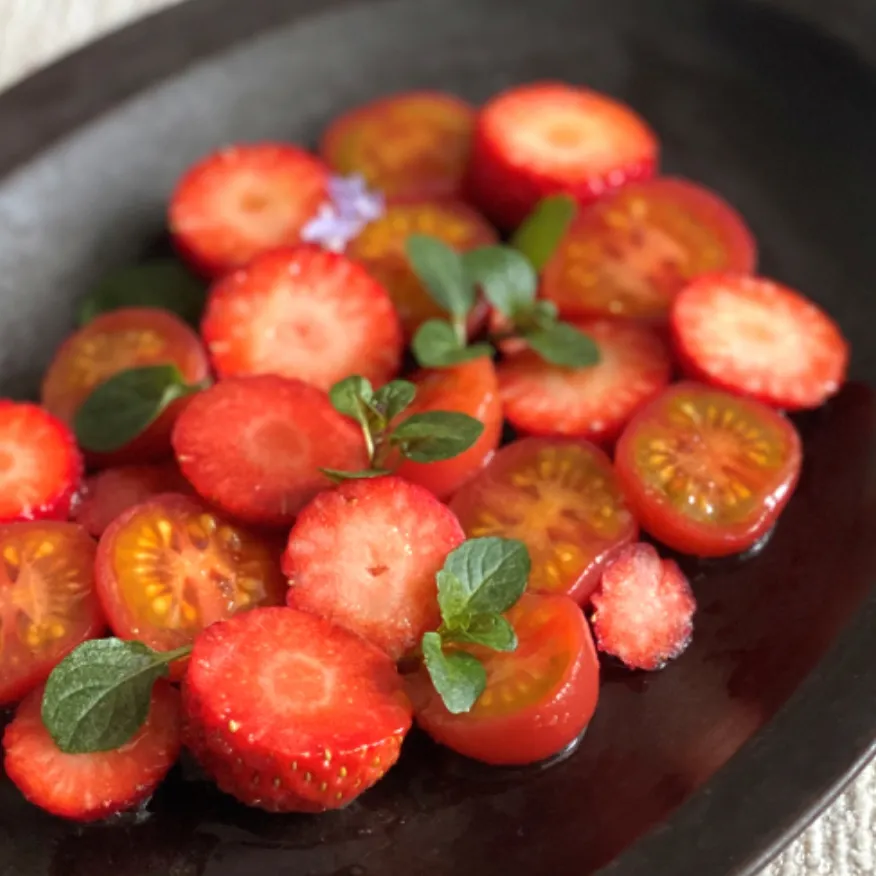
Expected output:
(109, 493)
(470, 388)
(290, 713)
(754, 337)
(253, 446)
(40, 465)
(595, 403)
(547, 137)
(380, 247)
(243, 200)
(88, 787)
(305, 313)
(365, 556)
(643, 610)
(410, 145)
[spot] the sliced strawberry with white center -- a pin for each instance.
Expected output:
(543, 399)
(755, 337)
(305, 313)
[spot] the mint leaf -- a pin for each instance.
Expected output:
(543, 313)
(507, 278)
(542, 230)
(439, 268)
(119, 409)
(337, 475)
(492, 571)
(436, 345)
(436, 435)
(393, 398)
(98, 697)
(458, 677)
(562, 344)
(351, 396)
(489, 630)
(164, 284)
(453, 598)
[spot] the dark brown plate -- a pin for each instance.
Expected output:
(768, 111)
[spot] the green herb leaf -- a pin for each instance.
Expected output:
(489, 630)
(543, 313)
(458, 677)
(436, 435)
(337, 475)
(351, 397)
(164, 284)
(507, 278)
(436, 345)
(440, 270)
(562, 344)
(542, 230)
(98, 697)
(393, 398)
(493, 573)
(122, 407)
(453, 598)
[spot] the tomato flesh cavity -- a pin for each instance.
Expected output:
(538, 699)
(708, 473)
(562, 500)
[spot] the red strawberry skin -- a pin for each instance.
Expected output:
(89, 787)
(365, 556)
(643, 611)
(290, 713)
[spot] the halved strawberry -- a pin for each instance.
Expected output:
(643, 610)
(242, 200)
(40, 465)
(292, 714)
(755, 337)
(365, 556)
(254, 445)
(110, 492)
(88, 787)
(547, 137)
(306, 313)
(595, 403)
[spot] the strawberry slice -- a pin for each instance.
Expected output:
(40, 465)
(289, 713)
(755, 337)
(243, 200)
(254, 445)
(365, 557)
(88, 787)
(643, 610)
(596, 402)
(110, 492)
(547, 137)
(305, 313)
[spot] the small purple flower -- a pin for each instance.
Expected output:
(351, 206)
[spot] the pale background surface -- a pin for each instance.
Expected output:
(33, 32)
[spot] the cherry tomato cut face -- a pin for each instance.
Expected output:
(170, 567)
(48, 604)
(706, 472)
(630, 254)
(406, 146)
(562, 500)
(380, 247)
(539, 698)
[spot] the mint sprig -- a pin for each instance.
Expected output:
(480, 581)
(125, 405)
(542, 230)
(98, 697)
(427, 437)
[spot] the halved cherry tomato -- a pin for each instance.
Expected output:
(48, 604)
(630, 254)
(410, 145)
(170, 567)
(562, 500)
(706, 472)
(470, 388)
(539, 698)
(128, 338)
(380, 247)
